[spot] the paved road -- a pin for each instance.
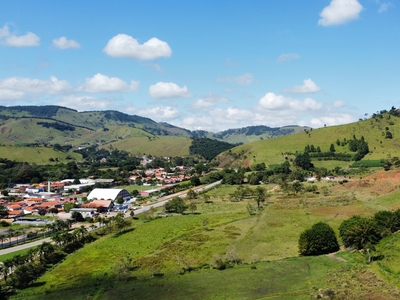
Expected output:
(24, 246)
(160, 202)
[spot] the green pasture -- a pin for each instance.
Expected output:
(265, 245)
(37, 155)
(286, 279)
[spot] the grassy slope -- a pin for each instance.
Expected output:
(168, 244)
(126, 138)
(37, 155)
(274, 150)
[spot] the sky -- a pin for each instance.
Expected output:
(209, 65)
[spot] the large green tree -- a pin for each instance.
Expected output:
(176, 204)
(303, 161)
(319, 239)
(359, 232)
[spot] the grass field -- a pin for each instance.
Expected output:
(37, 155)
(182, 251)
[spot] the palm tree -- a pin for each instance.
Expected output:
(45, 249)
(2, 239)
(10, 235)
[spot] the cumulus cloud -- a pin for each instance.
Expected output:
(64, 43)
(168, 90)
(100, 83)
(6, 94)
(339, 12)
(277, 102)
(202, 103)
(123, 45)
(8, 39)
(160, 113)
(36, 86)
(245, 79)
(308, 86)
(209, 101)
(82, 103)
(332, 119)
(287, 57)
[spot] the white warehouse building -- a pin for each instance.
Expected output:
(109, 194)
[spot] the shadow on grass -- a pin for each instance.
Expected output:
(38, 284)
(118, 234)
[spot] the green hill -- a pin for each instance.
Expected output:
(33, 126)
(274, 151)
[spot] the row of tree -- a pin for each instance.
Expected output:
(357, 232)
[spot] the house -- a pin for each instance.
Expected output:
(99, 205)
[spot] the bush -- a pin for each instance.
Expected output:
(319, 239)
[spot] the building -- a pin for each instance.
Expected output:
(109, 194)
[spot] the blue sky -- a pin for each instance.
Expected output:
(210, 65)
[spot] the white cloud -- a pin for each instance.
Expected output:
(245, 79)
(308, 86)
(100, 83)
(202, 103)
(123, 45)
(338, 103)
(6, 94)
(209, 101)
(168, 90)
(156, 67)
(28, 40)
(197, 123)
(287, 57)
(274, 102)
(82, 103)
(36, 86)
(64, 43)
(339, 12)
(332, 119)
(383, 7)
(160, 113)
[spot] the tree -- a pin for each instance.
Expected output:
(260, 196)
(176, 204)
(191, 194)
(53, 210)
(303, 161)
(332, 148)
(77, 216)
(387, 221)
(319, 239)
(195, 181)
(358, 232)
(120, 200)
(3, 211)
(192, 207)
(68, 206)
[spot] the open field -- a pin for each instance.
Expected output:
(182, 251)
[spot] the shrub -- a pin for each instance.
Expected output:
(319, 239)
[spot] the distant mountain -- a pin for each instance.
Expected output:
(41, 125)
